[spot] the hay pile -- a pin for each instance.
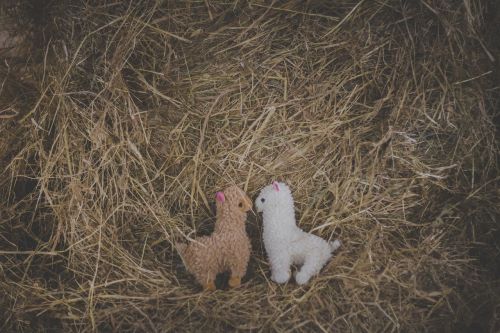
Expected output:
(127, 117)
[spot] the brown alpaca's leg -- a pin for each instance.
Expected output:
(234, 281)
(209, 286)
(238, 264)
(204, 266)
(207, 280)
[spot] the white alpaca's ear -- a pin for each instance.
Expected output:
(276, 186)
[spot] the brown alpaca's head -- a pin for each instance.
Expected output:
(233, 199)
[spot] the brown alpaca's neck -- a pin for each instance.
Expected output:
(229, 220)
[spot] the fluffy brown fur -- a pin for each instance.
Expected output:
(227, 249)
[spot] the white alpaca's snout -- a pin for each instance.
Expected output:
(259, 204)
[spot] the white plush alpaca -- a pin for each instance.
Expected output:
(285, 243)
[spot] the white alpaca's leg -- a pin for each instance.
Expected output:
(313, 263)
(311, 267)
(280, 268)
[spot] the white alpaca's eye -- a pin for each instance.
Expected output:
(262, 200)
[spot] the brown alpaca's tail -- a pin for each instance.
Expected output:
(181, 248)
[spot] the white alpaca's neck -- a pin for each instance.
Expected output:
(279, 221)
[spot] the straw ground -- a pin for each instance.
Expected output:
(122, 120)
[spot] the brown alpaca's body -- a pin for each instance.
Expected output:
(227, 249)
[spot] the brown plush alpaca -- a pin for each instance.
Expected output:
(228, 248)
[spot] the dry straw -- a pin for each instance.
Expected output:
(125, 118)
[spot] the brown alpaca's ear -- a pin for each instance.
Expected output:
(220, 197)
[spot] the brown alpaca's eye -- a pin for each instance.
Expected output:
(240, 204)
(262, 200)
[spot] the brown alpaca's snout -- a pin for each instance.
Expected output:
(245, 204)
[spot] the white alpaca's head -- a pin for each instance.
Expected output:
(274, 196)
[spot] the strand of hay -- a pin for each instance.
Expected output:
(130, 116)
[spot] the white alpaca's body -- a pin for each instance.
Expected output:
(285, 243)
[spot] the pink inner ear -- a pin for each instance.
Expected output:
(220, 197)
(276, 186)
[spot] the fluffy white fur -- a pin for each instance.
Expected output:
(287, 244)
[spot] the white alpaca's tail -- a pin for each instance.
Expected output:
(334, 245)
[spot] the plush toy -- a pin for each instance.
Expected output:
(228, 248)
(285, 243)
